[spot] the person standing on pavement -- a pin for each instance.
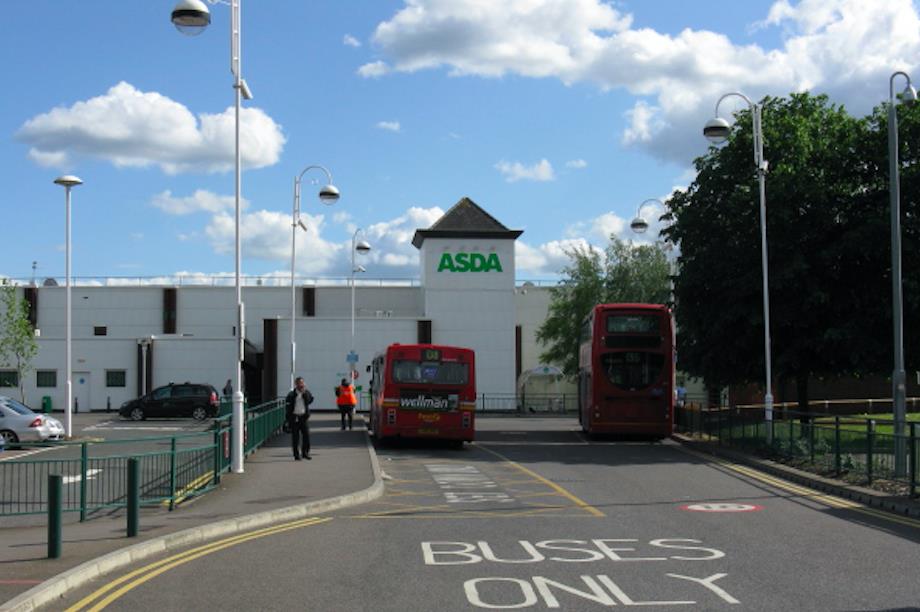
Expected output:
(297, 409)
(228, 389)
(346, 400)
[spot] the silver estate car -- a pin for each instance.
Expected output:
(19, 423)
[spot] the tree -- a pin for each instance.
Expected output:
(17, 338)
(827, 239)
(623, 273)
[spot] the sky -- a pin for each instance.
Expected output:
(558, 117)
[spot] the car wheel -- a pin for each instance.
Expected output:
(199, 413)
(137, 414)
(9, 437)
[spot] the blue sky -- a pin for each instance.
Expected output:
(557, 116)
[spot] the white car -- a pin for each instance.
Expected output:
(19, 423)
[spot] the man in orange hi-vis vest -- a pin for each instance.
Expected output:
(346, 400)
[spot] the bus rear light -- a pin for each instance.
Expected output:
(391, 417)
(466, 420)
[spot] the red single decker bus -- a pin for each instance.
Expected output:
(423, 391)
(626, 370)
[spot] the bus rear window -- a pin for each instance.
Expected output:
(632, 370)
(633, 324)
(430, 372)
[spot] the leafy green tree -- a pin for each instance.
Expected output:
(17, 338)
(827, 235)
(623, 273)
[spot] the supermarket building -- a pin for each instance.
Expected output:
(127, 340)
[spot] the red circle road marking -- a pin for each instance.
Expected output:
(722, 507)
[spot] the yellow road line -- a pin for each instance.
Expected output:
(552, 485)
(156, 568)
(824, 498)
(182, 493)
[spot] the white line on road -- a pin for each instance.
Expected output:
(90, 474)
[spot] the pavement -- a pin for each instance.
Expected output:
(274, 488)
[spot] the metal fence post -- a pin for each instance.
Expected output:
(55, 510)
(837, 445)
(134, 496)
(172, 473)
(84, 467)
(912, 455)
(731, 432)
(217, 455)
(870, 443)
(811, 438)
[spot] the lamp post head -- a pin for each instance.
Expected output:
(329, 194)
(362, 247)
(638, 225)
(717, 130)
(191, 17)
(68, 180)
(909, 96)
(359, 269)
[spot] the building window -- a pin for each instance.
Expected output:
(46, 378)
(100, 330)
(115, 378)
(9, 378)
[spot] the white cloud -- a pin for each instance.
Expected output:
(374, 70)
(577, 164)
(546, 259)
(132, 128)
(845, 48)
(200, 201)
(513, 172)
(391, 126)
(341, 217)
(264, 233)
(350, 41)
(53, 159)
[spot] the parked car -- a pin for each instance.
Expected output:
(198, 401)
(19, 423)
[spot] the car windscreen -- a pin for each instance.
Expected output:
(431, 372)
(17, 407)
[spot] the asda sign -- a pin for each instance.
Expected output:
(469, 262)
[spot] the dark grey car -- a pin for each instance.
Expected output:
(198, 401)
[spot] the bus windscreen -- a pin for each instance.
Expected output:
(633, 369)
(430, 372)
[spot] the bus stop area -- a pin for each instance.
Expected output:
(273, 488)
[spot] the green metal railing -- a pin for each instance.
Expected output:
(172, 468)
(833, 445)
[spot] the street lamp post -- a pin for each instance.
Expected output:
(329, 194)
(191, 17)
(361, 247)
(68, 181)
(717, 130)
(898, 375)
(639, 224)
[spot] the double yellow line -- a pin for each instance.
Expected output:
(102, 597)
(828, 500)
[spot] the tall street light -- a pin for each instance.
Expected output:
(717, 130)
(191, 17)
(898, 375)
(68, 182)
(329, 195)
(360, 247)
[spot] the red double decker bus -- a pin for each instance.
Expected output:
(423, 391)
(626, 370)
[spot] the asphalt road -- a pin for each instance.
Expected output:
(534, 517)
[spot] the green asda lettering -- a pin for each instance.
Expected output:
(469, 262)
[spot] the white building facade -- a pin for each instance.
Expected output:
(128, 340)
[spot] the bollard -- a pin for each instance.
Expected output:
(134, 496)
(55, 511)
(84, 468)
(172, 474)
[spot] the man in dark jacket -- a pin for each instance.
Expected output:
(297, 409)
